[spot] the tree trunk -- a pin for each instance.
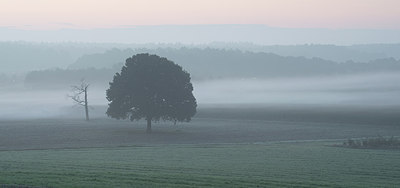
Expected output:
(86, 106)
(148, 125)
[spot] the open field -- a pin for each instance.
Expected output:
(313, 164)
(247, 146)
(219, 124)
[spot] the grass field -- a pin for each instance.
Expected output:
(219, 148)
(306, 164)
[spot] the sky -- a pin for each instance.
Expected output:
(90, 14)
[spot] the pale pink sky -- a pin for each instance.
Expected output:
(337, 14)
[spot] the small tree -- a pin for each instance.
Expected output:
(77, 92)
(153, 88)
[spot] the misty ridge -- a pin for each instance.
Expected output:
(211, 64)
(222, 73)
(22, 57)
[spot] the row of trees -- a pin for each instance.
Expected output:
(99, 68)
(148, 87)
(243, 64)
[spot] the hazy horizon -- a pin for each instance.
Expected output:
(196, 34)
(272, 22)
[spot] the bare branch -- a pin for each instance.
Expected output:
(76, 99)
(77, 90)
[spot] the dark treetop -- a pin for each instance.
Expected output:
(153, 88)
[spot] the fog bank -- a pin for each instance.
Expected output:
(363, 89)
(373, 89)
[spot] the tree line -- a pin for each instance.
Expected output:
(210, 63)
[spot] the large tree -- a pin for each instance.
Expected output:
(153, 88)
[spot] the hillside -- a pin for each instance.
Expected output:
(206, 64)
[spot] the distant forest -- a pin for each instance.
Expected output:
(61, 78)
(209, 63)
(21, 57)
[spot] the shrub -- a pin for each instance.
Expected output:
(374, 143)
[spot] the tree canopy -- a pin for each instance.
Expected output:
(153, 88)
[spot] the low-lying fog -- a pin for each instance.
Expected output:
(372, 89)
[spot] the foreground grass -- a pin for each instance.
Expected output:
(224, 165)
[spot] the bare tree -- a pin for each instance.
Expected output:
(77, 92)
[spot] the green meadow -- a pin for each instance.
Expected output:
(221, 147)
(290, 164)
